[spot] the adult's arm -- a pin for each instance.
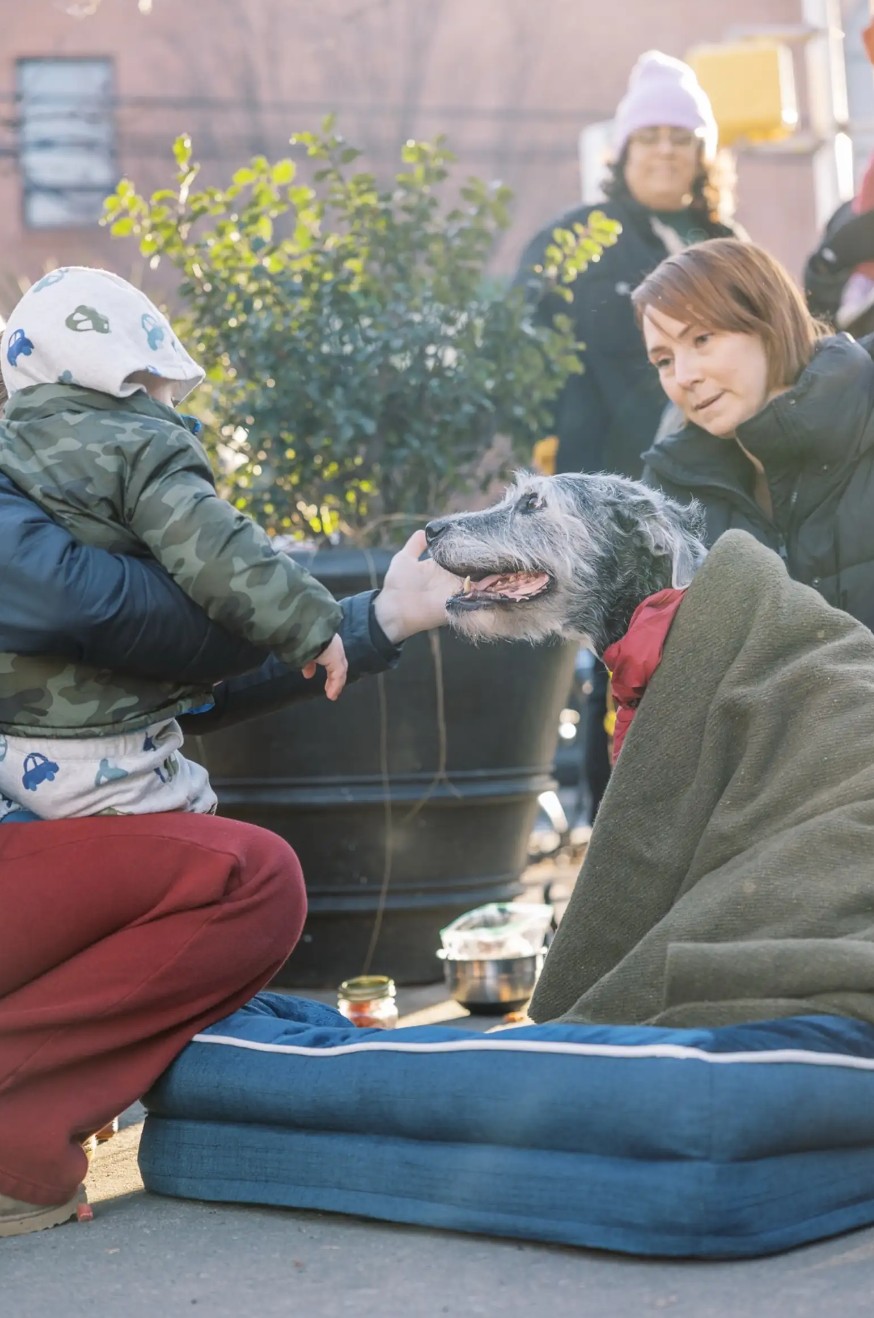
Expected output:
(275, 684)
(61, 597)
(373, 627)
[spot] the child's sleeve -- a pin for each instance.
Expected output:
(219, 557)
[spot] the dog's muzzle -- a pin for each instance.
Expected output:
(484, 589)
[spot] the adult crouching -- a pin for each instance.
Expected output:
(122, 937)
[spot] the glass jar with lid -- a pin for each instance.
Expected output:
(369, 1001)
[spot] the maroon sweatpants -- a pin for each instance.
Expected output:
(120, 938)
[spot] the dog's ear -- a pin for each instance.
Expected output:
(686, 559)
(670, 530)
(684, 540)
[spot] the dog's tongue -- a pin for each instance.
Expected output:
(512, 585)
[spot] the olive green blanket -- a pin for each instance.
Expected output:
(730, 873)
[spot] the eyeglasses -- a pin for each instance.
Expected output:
(676, 136)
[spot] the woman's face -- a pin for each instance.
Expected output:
(661, 165)
(718, 378)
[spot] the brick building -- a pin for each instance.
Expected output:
(95, 89)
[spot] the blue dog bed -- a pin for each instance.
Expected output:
(720, 1143)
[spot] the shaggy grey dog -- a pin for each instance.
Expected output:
(569, 555)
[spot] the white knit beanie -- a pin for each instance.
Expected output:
(664, 91)
(92, 328)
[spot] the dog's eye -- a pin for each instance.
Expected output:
(530, 503)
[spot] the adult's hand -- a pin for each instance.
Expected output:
(414, 593)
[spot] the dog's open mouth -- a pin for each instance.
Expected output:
(500, 588)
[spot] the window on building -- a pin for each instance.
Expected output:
(66, 139)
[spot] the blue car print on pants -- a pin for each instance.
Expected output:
(38, 769)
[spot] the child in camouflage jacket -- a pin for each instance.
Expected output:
(93, 371)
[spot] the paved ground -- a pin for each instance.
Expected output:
(147, 1257)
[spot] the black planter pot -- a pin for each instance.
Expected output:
(410, 800)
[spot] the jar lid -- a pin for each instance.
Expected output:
(366, 987)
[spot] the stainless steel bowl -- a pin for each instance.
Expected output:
(492, 984)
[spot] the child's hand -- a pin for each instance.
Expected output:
(333, 659)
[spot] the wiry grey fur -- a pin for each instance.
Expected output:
(606, 543)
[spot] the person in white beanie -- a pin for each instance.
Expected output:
(93, 371)
(663, 92)
(661, 188)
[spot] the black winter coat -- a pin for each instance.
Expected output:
(607, 416)
(60, 597)
(816, 443)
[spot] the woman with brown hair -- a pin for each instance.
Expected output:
(779, 415)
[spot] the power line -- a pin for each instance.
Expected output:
(366, 109)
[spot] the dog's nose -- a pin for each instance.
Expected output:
(434, 530)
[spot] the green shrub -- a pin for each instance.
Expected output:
(359, 361)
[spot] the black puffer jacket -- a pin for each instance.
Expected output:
(605, 418)
(816, 443)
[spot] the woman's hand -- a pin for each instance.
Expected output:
(414, 593)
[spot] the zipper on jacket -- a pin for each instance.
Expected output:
(784, 538)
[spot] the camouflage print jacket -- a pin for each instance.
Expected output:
(130, 476)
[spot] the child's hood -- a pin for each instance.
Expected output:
(91, 328)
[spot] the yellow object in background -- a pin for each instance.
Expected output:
(544, 455)
(610, 716)
(751, 85)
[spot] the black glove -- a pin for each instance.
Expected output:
(847, 247)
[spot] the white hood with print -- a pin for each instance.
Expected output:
(91, 328)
